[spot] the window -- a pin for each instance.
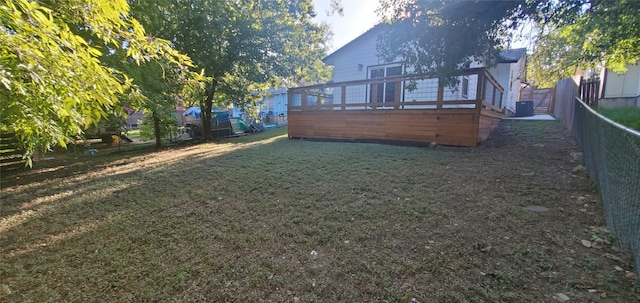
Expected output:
(465, 87)
(383, 92)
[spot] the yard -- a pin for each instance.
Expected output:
(264, 218)
(627, 116)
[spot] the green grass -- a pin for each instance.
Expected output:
(534, 130)
(627, 116)
(133, 134)
(238, 220)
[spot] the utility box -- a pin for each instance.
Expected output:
(524, 108)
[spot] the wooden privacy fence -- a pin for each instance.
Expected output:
(590, 91)
(543, 99)
(399, 108)
(566, 91)
(9, 153)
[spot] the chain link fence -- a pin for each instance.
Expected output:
(612, 158)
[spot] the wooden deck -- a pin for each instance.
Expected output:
(336, 111)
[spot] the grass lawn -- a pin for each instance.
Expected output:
(262, 218)
(134, 134)
(627, 116)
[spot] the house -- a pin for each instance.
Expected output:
(511, 73)
(620, 90)
(272, 106)
(358, 60)
(372, 100)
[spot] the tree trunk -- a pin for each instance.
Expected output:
(156, 130)
(206, 112)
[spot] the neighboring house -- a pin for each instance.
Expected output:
(511, 73)
(358, 60)
(134, 120)
(620, 90)
(273, 105)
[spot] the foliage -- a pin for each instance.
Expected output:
(159, 82)
(437, 37)
(194, 88)
(243, 46)
(167, 124)
(606, 32)
(553, 58)
(53, 84)
(114, 121)
(316, 73)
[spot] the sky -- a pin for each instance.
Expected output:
(359, 16)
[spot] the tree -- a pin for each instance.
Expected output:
(52, 82)
(437, 37)
(440, 37)
(159, 83)
(243, 46)
(553, 58)
(606, 32)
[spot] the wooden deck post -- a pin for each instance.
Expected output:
(493, 98)
(374, 96)
(397, 95)
(289, 100)
(303, 98)
(480, 89)
(343, 96)
(440, 98)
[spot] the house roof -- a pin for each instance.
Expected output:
(508, 56)
(512, 55)
(372, 31)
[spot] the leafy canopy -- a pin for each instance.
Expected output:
(437, 37)
(606, 31)
(243, 46)
(52, 82)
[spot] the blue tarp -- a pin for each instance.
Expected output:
(195, 111)
(218, 114)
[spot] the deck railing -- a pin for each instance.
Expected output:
(476, 89)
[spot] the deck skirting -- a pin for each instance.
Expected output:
(457, 127)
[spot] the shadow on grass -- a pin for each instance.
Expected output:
(92, 202)
(263, 218)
